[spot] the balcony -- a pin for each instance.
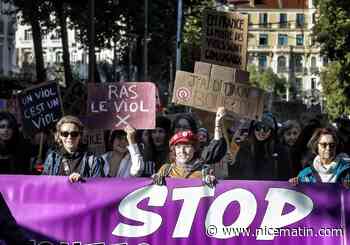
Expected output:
(314, 70)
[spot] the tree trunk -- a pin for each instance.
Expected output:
(38, 49)
(61, 16)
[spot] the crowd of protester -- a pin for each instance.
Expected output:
(264, 149)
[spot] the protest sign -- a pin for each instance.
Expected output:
(135, 212)
(40, 107)
(201, 92)
(94, 139)
(115, 105)
(224, 38)
(225, 73)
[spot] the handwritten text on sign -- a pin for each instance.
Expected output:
(224, 38)
(114, 105)
(208, 94)
(40, 107)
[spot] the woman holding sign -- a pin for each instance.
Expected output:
(188, 162)
(69, 158)
(125, 159)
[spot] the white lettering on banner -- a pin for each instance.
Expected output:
(248, 208)
(128, 208)
(191, 197)
(277, 198)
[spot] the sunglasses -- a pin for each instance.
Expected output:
(72, 134)
(5, 126)
(262, 127)
(330, 145)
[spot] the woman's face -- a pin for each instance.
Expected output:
(182, 125)
(158, 136)
(262, 132)
(202, 137)
(327, 148)
(291, 135)
(70, 136)
(6, 132)
(184, 153)
(120, 144)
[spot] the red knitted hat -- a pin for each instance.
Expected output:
(185, 137)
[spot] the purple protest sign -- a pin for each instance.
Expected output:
(132, 211)
(114, 105)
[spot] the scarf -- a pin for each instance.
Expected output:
(327, 172)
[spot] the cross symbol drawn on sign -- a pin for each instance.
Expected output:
(122, 120)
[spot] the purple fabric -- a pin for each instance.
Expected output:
(89, 212)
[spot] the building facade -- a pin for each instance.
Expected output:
(280, 37)
(7, 40)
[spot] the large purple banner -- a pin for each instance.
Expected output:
(134, 212)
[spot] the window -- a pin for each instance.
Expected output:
(300, 40)
(263, 40)
(28, 35)
(262, 62)
(55, 36)
(281, 64)
(313, 61)
(298, 83)
(59, 57)
(263, 20)
(1, 27)
(298, 63)
(325, 61)
(314, 18)
(300, 20)
(313, 83)
(282, 39)
(314, 68)
(283, 21)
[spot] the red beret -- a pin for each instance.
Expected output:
(185, 137)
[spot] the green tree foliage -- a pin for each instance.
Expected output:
(332, 31)
(268, 81)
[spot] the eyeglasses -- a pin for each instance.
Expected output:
(330, 145)
(5, 126)
(262, 127)
(72, 134)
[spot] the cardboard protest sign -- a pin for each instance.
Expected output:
(114, 105)
(221, 72)
(40, 107)
(201, 92)
(94, 139)
(224, 38)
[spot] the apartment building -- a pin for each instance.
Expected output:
(280, 37)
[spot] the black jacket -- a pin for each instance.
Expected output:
(258, 167)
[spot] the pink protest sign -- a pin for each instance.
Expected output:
(114, 105)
